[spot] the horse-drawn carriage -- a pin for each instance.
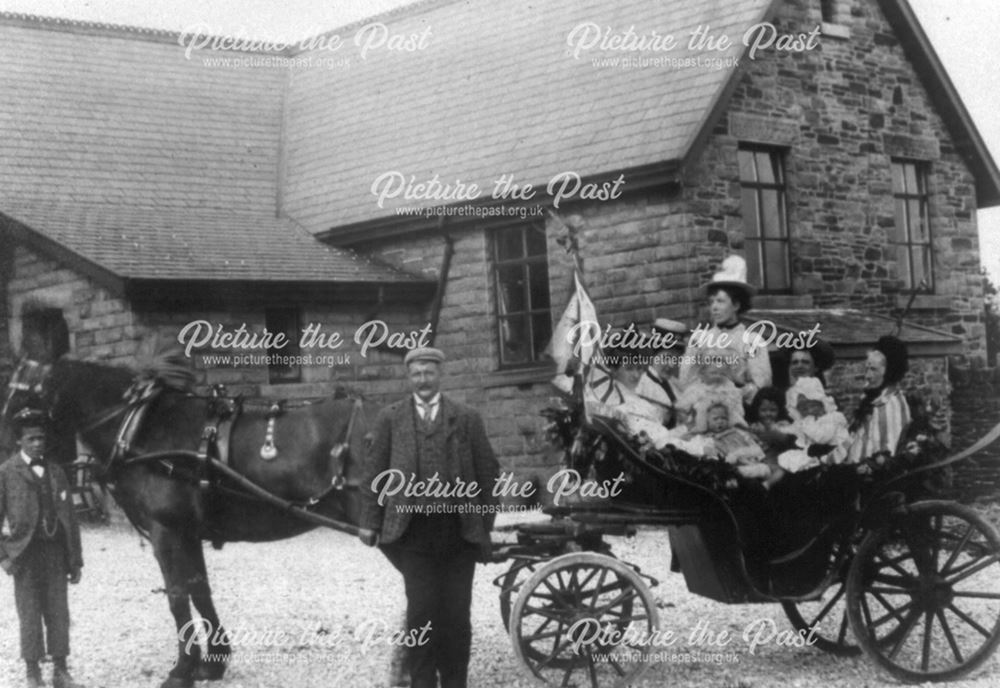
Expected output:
(915, 580)
(860, 560)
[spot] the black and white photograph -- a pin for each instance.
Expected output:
(489, 343)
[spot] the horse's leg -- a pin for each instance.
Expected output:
(213, 665)
(177, 569)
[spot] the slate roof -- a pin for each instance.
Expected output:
(150, 165)
(498, 90)
(173, 244)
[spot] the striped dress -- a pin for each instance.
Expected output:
(884, 427)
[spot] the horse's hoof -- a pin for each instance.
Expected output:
(209, 671)
(177, 682)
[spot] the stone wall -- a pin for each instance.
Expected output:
(841, 113)
(104, 327)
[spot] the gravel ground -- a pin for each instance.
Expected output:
(321, 588)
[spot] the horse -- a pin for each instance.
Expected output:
(178, 499)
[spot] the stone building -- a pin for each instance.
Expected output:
(381, 171)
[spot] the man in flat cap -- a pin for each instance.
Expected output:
(440, 448)
(42, 551)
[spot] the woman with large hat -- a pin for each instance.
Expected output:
(883, 414)
(723, 351)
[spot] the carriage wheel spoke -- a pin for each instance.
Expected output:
(827, 607)
(951, 638)
(886, 604)
(958, 549)
(896, 614)
(627, 594)
(911, 621)
(968, 619)
(892, 591)
(977, 595)
(567, 676)
(936, 550)
(556, 649)
(541, 636)
(594, 683)
(543, 611)
(972, 570)
(921, 557)
(925, 655)
(599, 590)
(590, 576)
(893, 563)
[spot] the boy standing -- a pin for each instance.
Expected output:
(42, 550)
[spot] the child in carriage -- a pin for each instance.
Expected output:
(715, 414)
(820, 430)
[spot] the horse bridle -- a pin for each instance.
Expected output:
(19, 383)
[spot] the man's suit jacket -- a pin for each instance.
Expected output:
(394, 445)
(20, 504)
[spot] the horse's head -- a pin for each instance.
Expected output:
(71, 392)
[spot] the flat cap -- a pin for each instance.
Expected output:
(30, 418)
(425, 353)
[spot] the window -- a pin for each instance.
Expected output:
(45, 334)
(280, 366)
(521, 280)
(765, 221)
(829, 10)
(912, 233)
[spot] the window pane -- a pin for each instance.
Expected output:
(910, 176)
(514, 346)
(903, 265)
(776, 257)
(921, 265)
(900, 230)
(897, 178)
(510, 289)
(536, 241)
(754, 273)
(509, 243)
(749, 210)
(745, 159)
(918, 220)
(772, 217)
(538, 281)
(541, 325)
(766, 167)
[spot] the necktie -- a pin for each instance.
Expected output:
(427, 412)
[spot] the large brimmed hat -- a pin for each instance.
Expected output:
(822, 354)
(897, 358)
(733, 275)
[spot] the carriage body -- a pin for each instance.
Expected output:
(873, 563)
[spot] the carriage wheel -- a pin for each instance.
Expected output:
(584, 619)
(824, 622)
(923, 593)
(519, 571)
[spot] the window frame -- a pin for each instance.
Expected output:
(275, 376)
(777, 158)
(529, 313)
(922, 196)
